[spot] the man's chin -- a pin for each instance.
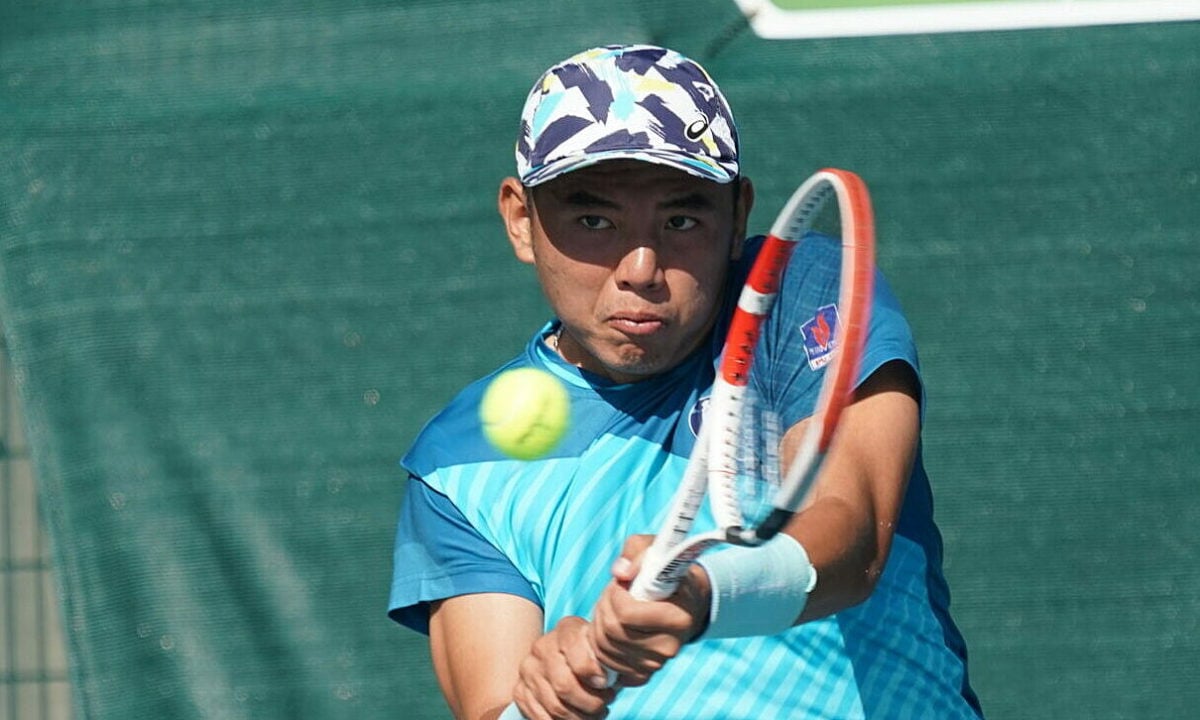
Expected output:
(632, 367)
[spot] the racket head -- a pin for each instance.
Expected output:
(750, 500)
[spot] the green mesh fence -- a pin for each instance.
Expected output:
(247, 248)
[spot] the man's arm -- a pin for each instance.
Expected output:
(478, 642)
(481, 615)
(848, 523)
(846, 527)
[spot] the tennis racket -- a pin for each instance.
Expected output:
(735, 461)
(736, 452)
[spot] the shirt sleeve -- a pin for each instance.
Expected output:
(789, 374)
(438, 555)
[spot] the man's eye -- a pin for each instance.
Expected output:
(595, 222)
(681, 222)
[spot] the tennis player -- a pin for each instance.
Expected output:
(629, 204)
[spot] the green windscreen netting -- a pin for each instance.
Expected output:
(246, 249)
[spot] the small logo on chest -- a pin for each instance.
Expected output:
(696, 416)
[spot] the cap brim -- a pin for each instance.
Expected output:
(711, 170)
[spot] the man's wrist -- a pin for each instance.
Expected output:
(757, 591)
(698, 601)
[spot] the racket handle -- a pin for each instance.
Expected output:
(658, 579)
(662, 571)
(650, 585)
(658, 585)
(610, 677)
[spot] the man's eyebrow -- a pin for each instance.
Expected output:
(691, 201)
(583, 198)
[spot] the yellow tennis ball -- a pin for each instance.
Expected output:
(525, 412)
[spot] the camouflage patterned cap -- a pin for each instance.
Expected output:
(636, 102)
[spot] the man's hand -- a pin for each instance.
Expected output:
(635, 637)
(561, 677)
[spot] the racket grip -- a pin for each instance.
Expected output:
(662, 571)
(644, 587)
(653, 582)
(656, 586)
(610, 677)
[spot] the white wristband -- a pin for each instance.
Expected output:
(758, 591)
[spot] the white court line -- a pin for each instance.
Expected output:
(769, 21)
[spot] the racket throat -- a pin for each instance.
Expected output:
(753, 537)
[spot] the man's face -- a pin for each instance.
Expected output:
(633, 258)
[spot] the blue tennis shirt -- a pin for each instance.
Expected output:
(476, 521)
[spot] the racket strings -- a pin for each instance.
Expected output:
(757, 474)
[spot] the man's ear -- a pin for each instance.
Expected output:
(517, 215)
(741, 216)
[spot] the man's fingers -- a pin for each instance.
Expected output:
(583, 662)
(526, 701)
(555, 677)
(626, 567)
(564, 697)
(623, 616)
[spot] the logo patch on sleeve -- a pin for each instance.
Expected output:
(820, 336)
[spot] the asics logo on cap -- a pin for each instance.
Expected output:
(696, 130)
